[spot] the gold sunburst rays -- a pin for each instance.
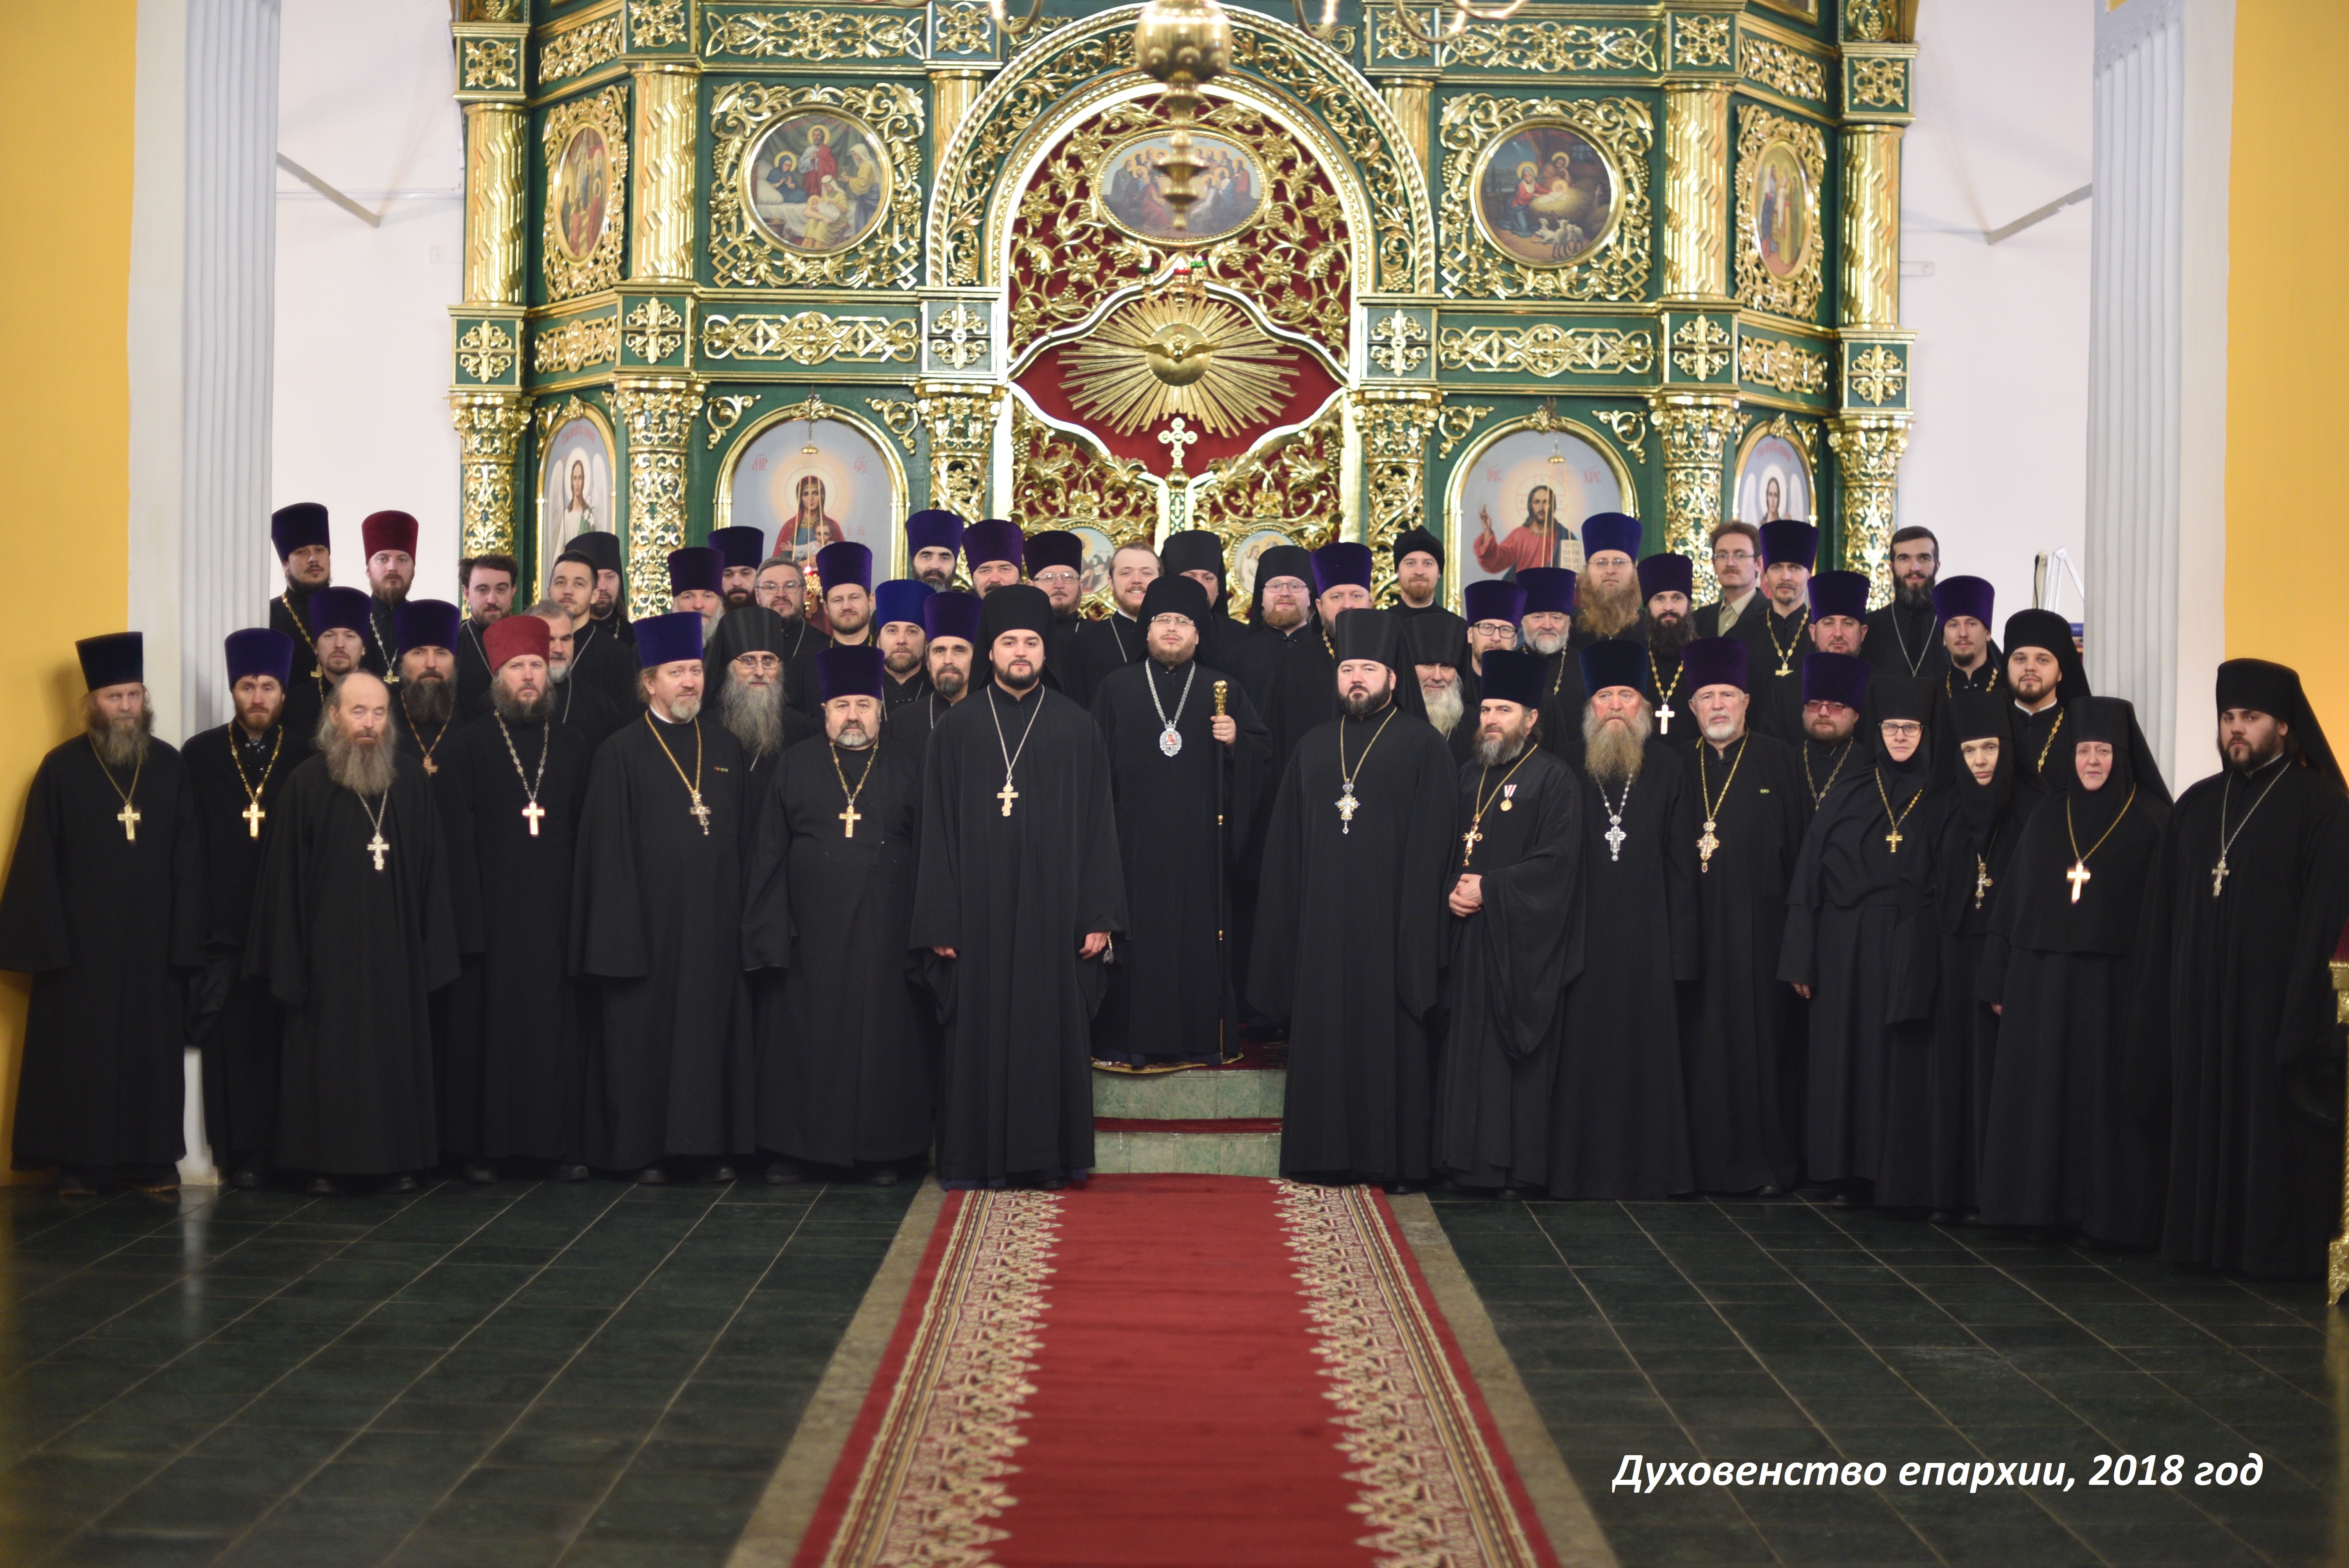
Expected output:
(1203, 359)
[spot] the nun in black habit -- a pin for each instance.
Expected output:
(2061, 1143)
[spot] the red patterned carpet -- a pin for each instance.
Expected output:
(1176, 1371)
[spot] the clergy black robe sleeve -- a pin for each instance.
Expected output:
(766, 887)
(608, 892)
(1532, 925)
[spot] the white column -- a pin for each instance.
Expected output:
(226, 563)
(2156, 532)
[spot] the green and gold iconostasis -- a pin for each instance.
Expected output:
(811, 268)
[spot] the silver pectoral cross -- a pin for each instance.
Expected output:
(1615, 836)
(1007, 795)
(533, 811)
(129, 818)
(379, 848)
(2219, 876)
(2078, 877)
(1665, 720)
(1347, 807)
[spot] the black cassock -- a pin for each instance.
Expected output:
(1563, 700)
(1939, 1092)
(655, 923)
(847, 1046)
(1676, 713)
(1741, 1021)
(602, 656)
(1847, 909)
(1101, 648)
(1015, 897)
(1618, 1111)
(515, 1059)
(352, 953)
(1350, 942)
(1824, 767)
(1775, 704)
(2042, 747)
(1905, 642)
(897, 694)
(1304, 692)
(2236, 1015)
(240, 1042)
(1510, 964)
(107, 926)
(289, 613)
(2062, 1142)
(913, 723)
(577, 704)
(472, 670)
(1165, 998)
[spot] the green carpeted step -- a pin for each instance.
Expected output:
(1190, 1153)
(1205, 1096)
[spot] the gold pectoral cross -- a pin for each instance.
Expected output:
(533, 811)
(1007, 795)
(2219, 876)
(129, 818)
(701, 813)
(1347, 807)
(377, 847)
(1468, 843)
(1705, 846)
(1982, 880)
(852, 817)
(1784, 669)
(253, 814)
(2078, 877)
(430, 767)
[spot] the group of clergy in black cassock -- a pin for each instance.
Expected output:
(1618, 912)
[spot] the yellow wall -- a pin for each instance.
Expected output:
(2287, 318)
(66, 89)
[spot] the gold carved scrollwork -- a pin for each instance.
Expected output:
(1797, 293)
(1618, 269)
(575, 345)
(1059, 479)
(581, 49)
(656, 331)
(1628, 426)
(656, 23)
(491, 63)
(1393, 426)
(489, 428)
(1868, 449)
(1696, 429)
(1036, 90)
(958, 337)
(1548, 349)
(961, 29)
(810, 337)
(486, 352)
(902, 418)
(1867, 21)
(1291, 484)
(1699, 41)
(608, 113)
(1452, 425)
(1701, 348)
(1878, 375)
(1879, 84)
(1786, 70)
(1772, 362)
(1397, 40)
(961, 419)
(1397, 340)
(724, 413)
(658, 417)
(740, 254)
(813, 37)
(1066, 257)
(1555, 47)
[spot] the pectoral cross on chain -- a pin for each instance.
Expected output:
(1615, 837)
(533, 811)
(1347, 807)
(1469, 840)
(1981, 882)
(1705, 846)
(852, 817)
(253, 814)
(701, 813)
(129, 818)
(2077, 876)
(1007, 795)
(1892, 839)
(2219, 876)
(1664, 718)
(378, 849)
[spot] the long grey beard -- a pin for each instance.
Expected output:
(1545, 643)
(1494, 753)
(514, 709)
(121, 745)
(1605, 611)
(755, 715)
(1611, 755)
(363, 770)
(1443, 708)
(428, 703)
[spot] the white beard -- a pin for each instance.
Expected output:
(1443, 708)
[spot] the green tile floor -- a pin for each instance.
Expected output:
(517, 1374)
(1788, 1330)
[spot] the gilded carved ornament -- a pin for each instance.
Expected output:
(606, 113)
(553, 417)
(1797, 293)
(740, 253)
(958, 337)
(724, 413)
(1397, 342)
(1554, 48)
(1774, 66)
(659, 418)
(812, 37)
(564, 347)
(488, 430)
(1623, 132)
(1453, 423)
(656, 23)
(1628, 426)
(1695, 430)
(578, 50)
(1868, 21)
(1701, 348)
(961, 29)
(490, 63)
(1699, 41)
(1800, 432)
(810, 337)
(961, 418)
(1878, 375)
(1879, 83)
(1291, 483)
(1162, 357)
(1393, 428)
(656, 331)
(486, 351)
(1060, 478)
(1546, 349)
(902, 418)
(1786, 367)
(1868, 449)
